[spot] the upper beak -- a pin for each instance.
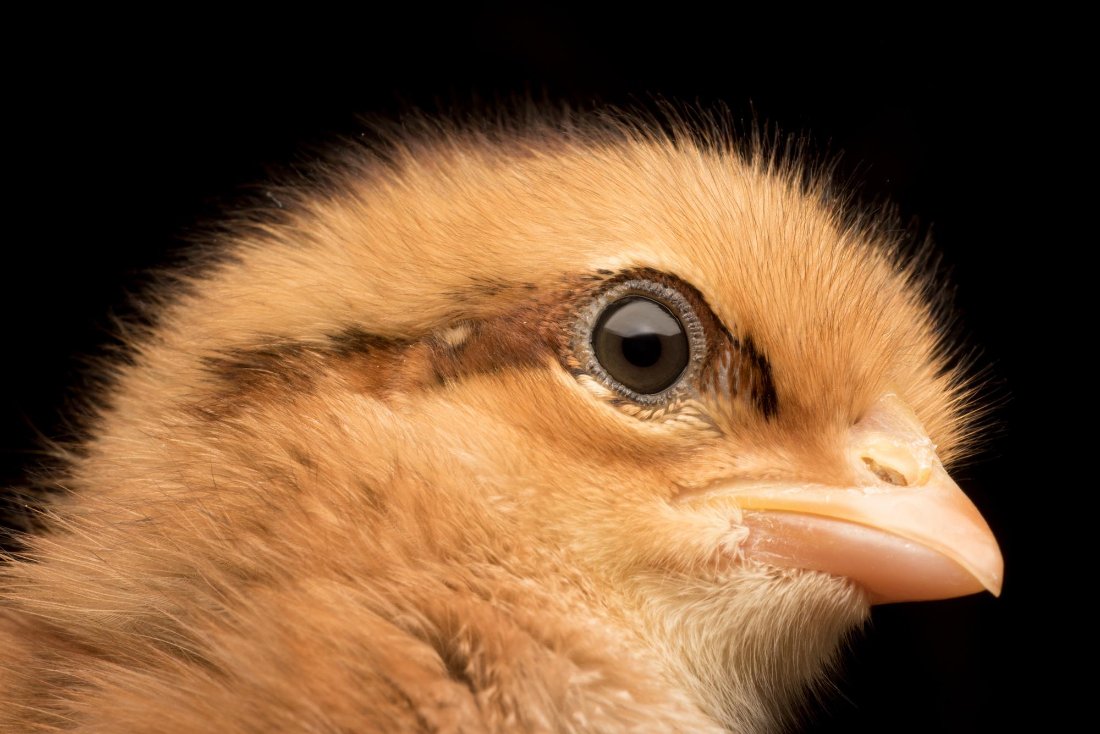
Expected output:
(905, 531)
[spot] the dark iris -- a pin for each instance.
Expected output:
(641, 344)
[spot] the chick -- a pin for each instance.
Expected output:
(552, 426)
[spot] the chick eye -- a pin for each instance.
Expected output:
(641, 344)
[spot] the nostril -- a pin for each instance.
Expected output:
(885, 473)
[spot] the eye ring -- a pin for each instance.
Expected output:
(657, 346)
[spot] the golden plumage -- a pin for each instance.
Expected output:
(365, 474)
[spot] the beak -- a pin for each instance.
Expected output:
(905, 532)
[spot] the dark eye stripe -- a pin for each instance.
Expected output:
(651, 320)
(741, 371)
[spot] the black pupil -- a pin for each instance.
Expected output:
(643, 350)
(641, 344)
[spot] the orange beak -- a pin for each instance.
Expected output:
(905, 532)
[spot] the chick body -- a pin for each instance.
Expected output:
(360, 476)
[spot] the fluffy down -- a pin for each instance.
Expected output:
(356, 478)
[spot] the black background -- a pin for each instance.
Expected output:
(119, 145)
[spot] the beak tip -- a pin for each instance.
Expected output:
(996, 583)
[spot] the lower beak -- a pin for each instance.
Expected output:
(906, 532)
